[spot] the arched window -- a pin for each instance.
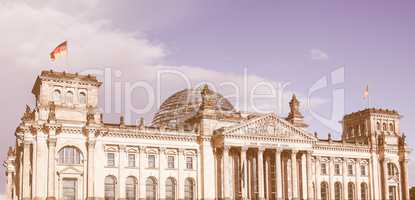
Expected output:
(82, 98)
(151, 188)
(392, 169)
(363, 191)
(189, 189)
(69, 156)
(337, 191)
(56, 96)
(391, 127)
(324, 191)
(69, 97)
(131, 188)
(110, 183)
(170, 189)
(384, 128)
(350, 191)
(378, 126)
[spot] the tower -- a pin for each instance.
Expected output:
(65, 96)
(295, 117)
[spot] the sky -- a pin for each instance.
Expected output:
(326, 52)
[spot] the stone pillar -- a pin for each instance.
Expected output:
(404, 178)
(345, 183)
(385, 179)
(162, 169)
(317, 183)
(122, 157)
(303, 177)
(244, 178)
(91, 171)
(278, 174)
(180, 179)
(357, 175)
(309, 177)
(141, 178)
(267, 177)
(26, 170)
(9, 185)
(294, 174)
(226, 175)
(331, 174)
(51, 167)
(261, 174)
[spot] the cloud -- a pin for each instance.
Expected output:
(318, 54)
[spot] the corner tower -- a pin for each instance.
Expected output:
(70, 96)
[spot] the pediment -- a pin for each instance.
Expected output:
(71, 170)
(269, 125)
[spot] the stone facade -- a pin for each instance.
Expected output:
(199, 149)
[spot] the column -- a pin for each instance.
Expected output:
(294, 174)
(345, 183)
(180, 179)
(162, 170)
(9, 188)
(267, 177)
(244, 177)
(226, 175)
(404, 178)
(331, 182)
(309, 177)
(51, 168)
(385, 179)
(90, 176)
(261, 173)
(141, 178)
(26, 170)
(122, 157)
(303, 176)
(357, 174)
(278, 175)
(317, 183)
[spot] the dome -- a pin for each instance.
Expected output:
(184, 104)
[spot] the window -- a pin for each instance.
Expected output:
(131, 160)
(131, 188)
(391, 127)
(69, 156)
(350, 169)
(350, 191)
(151, 161)
(170, 189)
(110, 182)
(110, 159)
(69, 97)
(392, 192)
(69, 189)
(378, 126)
(56, 96)
(189, 163)
(323, 169)
(337, 191)
(151, 189)
(170, 162)
(189, 189)
(324, 191)
(337, 169)
(384, 128)
(363, 191)
(392, 169)
(363, 170)
(82, 98)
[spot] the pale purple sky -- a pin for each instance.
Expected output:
(280, 41)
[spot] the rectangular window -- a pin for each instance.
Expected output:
(350, 170)
(110, 159)
(189, 163)
(392, 192)
(323, 169)
(363, 170)
(170, 162)
(131, 160)
(337, 169)
(151, 161)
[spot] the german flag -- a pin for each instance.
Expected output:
(60, 50)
